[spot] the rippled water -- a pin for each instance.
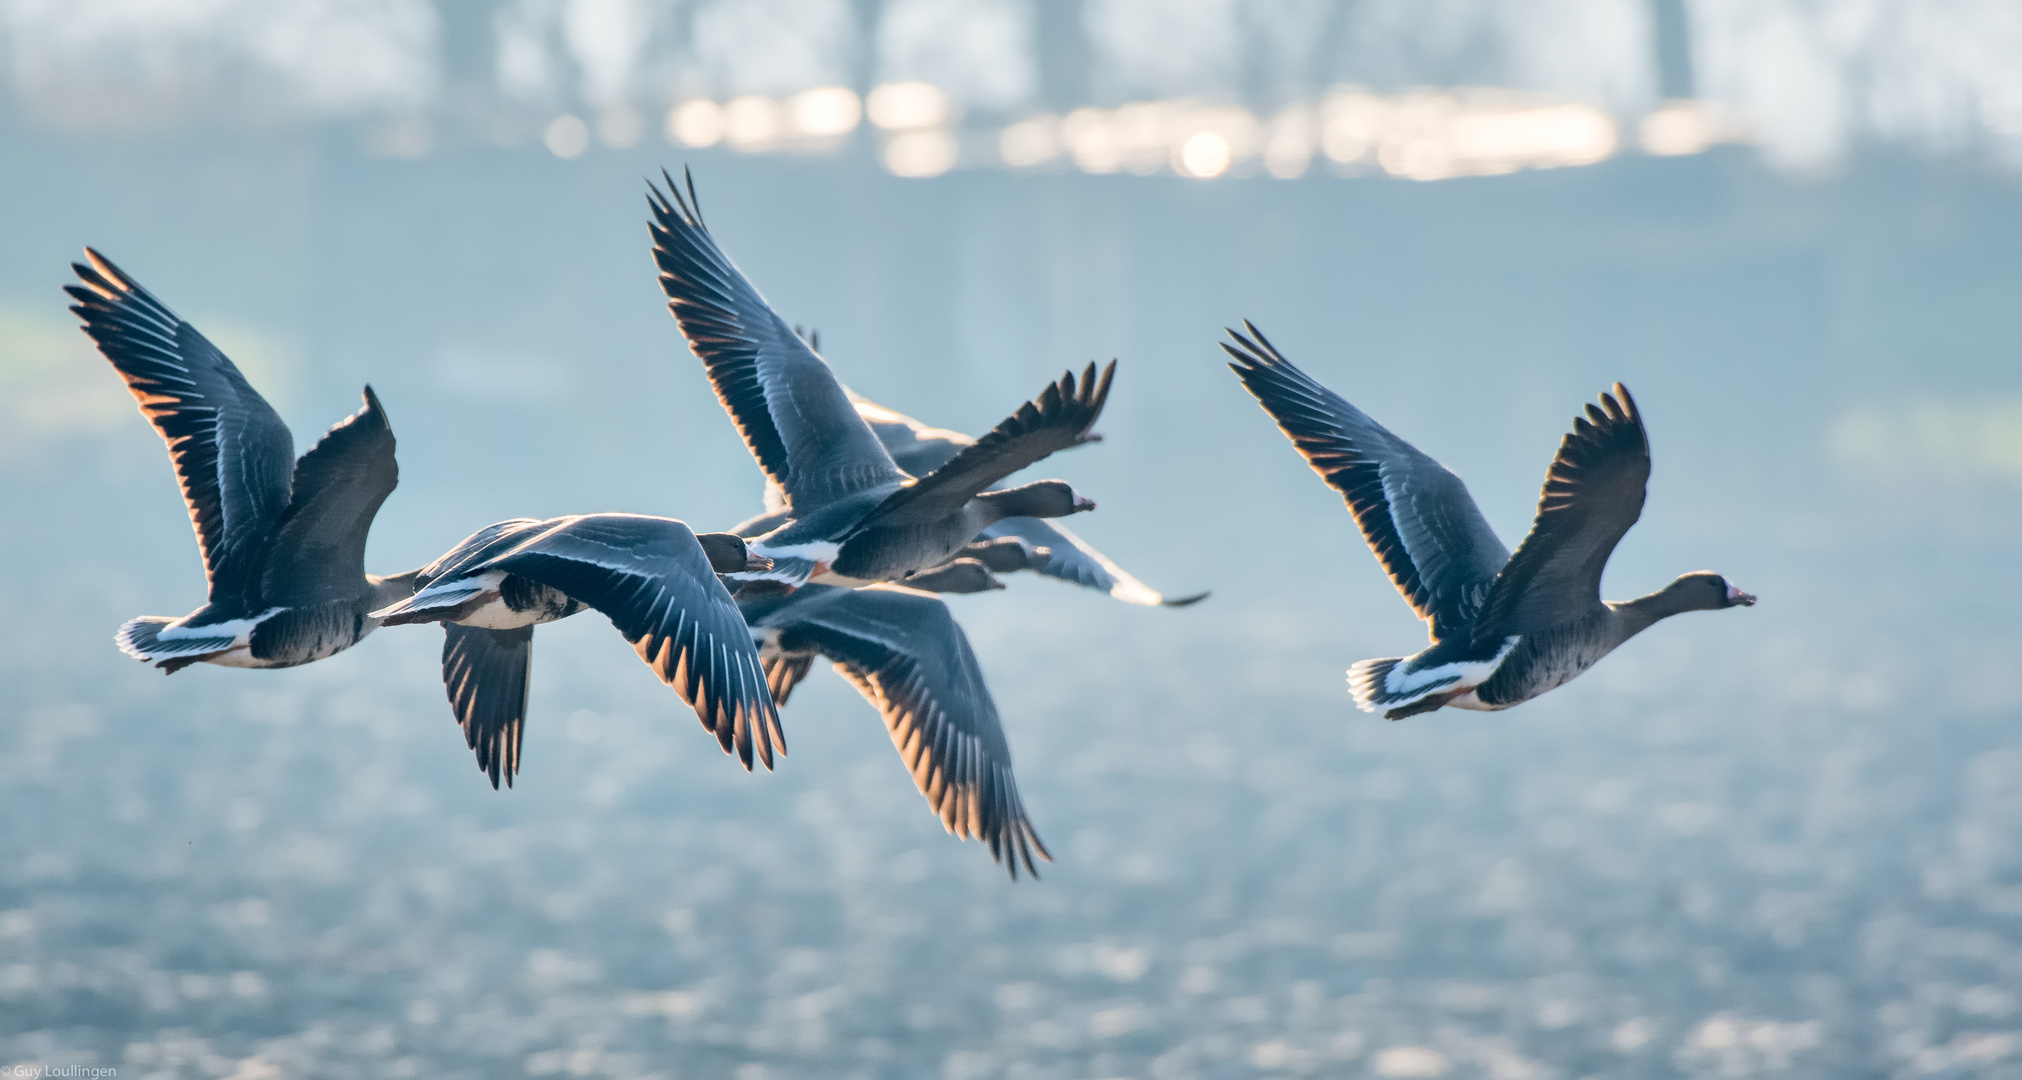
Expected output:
(1777, 840)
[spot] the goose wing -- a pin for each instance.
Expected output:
(1074, 560)
(1593, 493)
(1417, 517)
(916, 447)
(907, 656)
(785, 401)
(784, 672)
(232, 454)
(652, 579)
(319, 549)
(1058, 418)
(486, 674)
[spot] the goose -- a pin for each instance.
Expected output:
(1022, 543)
(283, 539)
(1505, 628)
(907, 656)
(853, 516)
(653, 576)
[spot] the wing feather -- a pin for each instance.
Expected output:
(653, 581)
(1071, 559)
(1593, 494)
(907, 656)
(233, 456)
(793, 414)
(1417, 517)
(486, 674)
(1060, 417)
(319, 546)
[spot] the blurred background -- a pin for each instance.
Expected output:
(1775, 841)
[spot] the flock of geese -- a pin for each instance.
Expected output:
(867, 514)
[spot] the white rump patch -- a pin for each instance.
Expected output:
(446, 594)
(790, 569)
(239, 631)
(1401, 684)
(814, 551)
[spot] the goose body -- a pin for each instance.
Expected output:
(283, 540)
(907, 656)
(852, 516)
(654, 577)
(1505, 627)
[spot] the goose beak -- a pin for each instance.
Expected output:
(753, 561)
(1736, 596)
(1083, 502)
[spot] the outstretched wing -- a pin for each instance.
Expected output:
(319, 550)
(233, 456)
(652, 579)
(906, 654)
(1071, 559)
(486, 674)
(1058, 418)
(916, 447)
(1593, 493)
(1417, 517)
(785, 401)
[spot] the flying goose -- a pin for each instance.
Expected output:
(1022, 543)
(283, 540)
(655, 579)
(1505, 628)
(908, 657)
(854, 517)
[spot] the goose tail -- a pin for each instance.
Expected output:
(1368, 681)
(437, 603)
(141, 639)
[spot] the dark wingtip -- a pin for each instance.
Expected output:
(1628, 403)
(778, 729)
(1108, 375)
(766, 721)
(110, 270)
(1252, 354)
(1032, 834)
(1186, 601)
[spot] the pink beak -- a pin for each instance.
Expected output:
(1083, 502)
(1736, 596)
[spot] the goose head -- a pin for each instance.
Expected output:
(955, 576)
(1039, 499)
(728, 553)
(1704, 590)
(1007, 554)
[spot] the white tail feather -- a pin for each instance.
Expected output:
(451, 595)
(1366, 679)
(141, 639)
